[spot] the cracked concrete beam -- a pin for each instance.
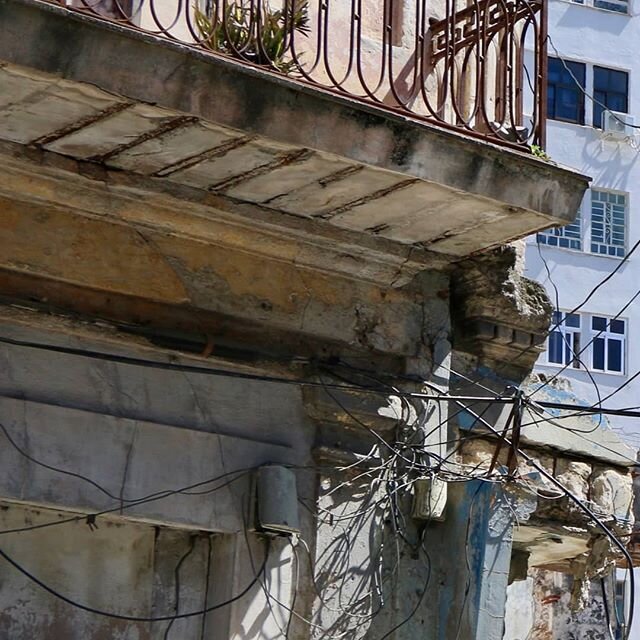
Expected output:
(247, 154)
(117, 195)
(89, 241)
(114, 133)
(170, 143)
(51, 243)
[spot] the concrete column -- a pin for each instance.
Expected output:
(470, 553)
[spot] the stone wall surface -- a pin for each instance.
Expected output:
(545, 596)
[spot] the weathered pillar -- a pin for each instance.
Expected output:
(471, 554)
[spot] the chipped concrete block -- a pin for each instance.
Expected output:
(480, 453)
(530, 474)
(612, 491)
(18, 84)
(544, 461)
(574, 476)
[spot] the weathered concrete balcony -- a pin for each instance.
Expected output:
(158, 154)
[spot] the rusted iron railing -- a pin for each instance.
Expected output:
(476, 66)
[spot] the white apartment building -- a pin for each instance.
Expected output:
(595, 44)
(596, 130)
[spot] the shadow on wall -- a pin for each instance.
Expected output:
(610, 160)
(578, 19)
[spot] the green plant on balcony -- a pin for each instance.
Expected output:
(539, 152)
(240, 33)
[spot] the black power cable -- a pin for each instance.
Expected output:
(225, 373)
(65, 472)
(160, 495)
(176, 583)
(577, 308)
(120, 616)
(585, 347)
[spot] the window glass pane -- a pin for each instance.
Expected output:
(600, 79)
(576, 355)
(614, 355)
(578, 71)
(618, 7)
(601, 97)
(556, 346)
(617, 102)
(565, 82)
(567, 103)
(572, 320)
(598, 353)
(555, 70)
(618, 81)
(598, 110)
(616, 326)
(551, 101)
(598, 323)
(568, 353)
(611, 90)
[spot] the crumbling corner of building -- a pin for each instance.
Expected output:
(498, 313)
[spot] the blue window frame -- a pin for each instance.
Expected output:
(619, 6)
(608, 350)
(567, 237)
(565, 90)
(610, 91)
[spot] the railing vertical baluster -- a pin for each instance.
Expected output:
(460, 62)
(541, 75)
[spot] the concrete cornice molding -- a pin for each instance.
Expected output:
(170, 209)
(499, 315)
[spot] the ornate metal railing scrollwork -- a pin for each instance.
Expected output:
(476, 66)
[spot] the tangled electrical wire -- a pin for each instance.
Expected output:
(368, 496)
(412, 456)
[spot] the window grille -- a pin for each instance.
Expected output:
(608, 223)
